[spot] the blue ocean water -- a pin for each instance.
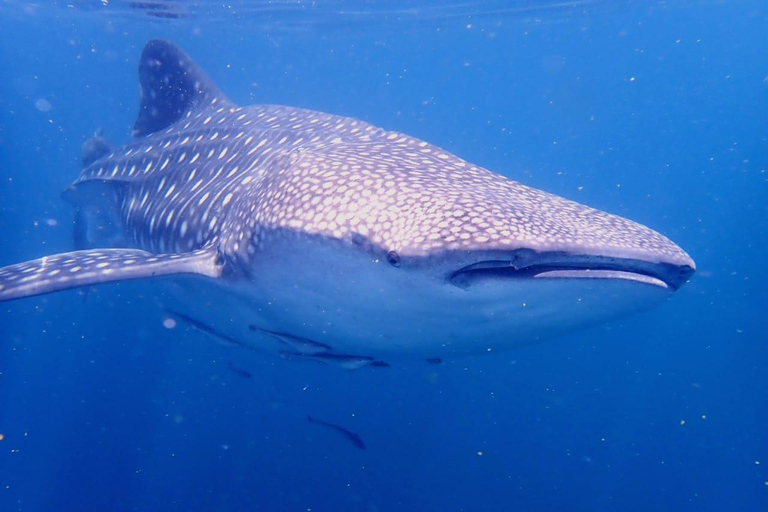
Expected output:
(652, 110)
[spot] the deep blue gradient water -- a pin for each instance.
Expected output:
(652, 110)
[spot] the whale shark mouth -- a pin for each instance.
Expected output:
(562, 265)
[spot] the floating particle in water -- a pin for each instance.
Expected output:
(43, 105)
(169, 323)
(2, 436)
(51, 222)
(682, 422)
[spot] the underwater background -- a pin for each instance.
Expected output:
(652, 110)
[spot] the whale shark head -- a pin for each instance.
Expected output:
(337, 238)
(421, 208)
(405, 245)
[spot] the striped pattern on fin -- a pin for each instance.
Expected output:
(83, 268)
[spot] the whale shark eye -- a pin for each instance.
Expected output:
(393, 258)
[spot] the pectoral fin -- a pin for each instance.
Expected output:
(82, 268)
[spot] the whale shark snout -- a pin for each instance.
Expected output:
(560, 265)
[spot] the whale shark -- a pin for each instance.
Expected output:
(320, 237)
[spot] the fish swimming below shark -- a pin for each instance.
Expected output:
(353, 438)
(315, 236)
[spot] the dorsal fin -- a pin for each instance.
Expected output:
(171, 85)
(94, 148)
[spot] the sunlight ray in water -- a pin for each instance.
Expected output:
(349, 16)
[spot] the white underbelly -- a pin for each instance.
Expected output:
(382, 312)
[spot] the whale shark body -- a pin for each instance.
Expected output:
(322, 237)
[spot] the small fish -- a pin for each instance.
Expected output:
(350, 436)
(238, 371)
(223, 339)
(304, 346)
(348, 362)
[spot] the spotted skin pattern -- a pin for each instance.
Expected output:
(215, 181)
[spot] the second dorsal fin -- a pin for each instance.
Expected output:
(95, 148)
(171, 85)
